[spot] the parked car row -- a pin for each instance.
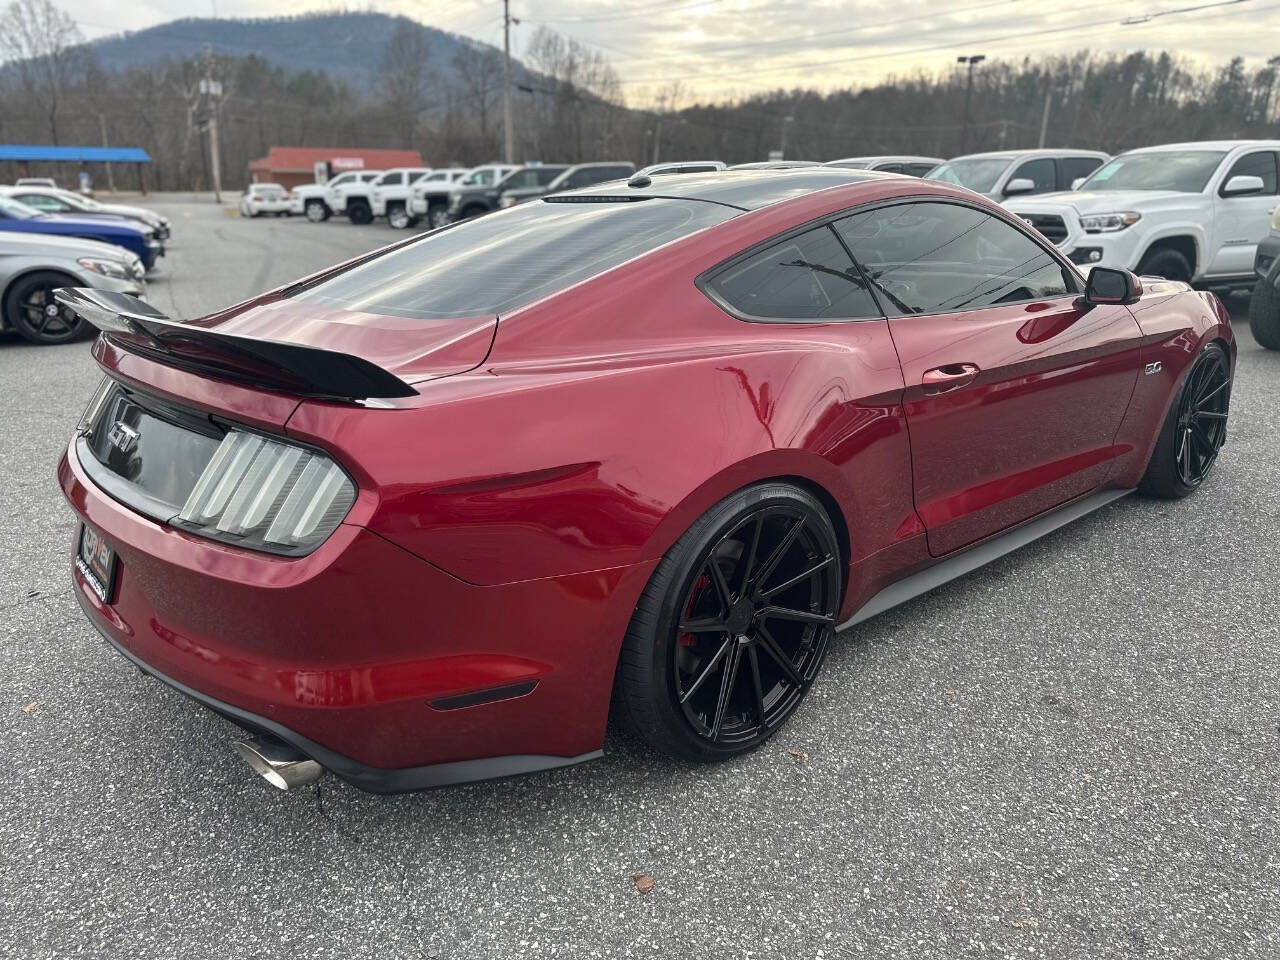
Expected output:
(1195, 212)
(52, 238)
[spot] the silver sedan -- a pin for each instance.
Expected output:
(33, 266)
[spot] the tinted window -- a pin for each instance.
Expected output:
(890, 168)
(366, 177)
(807, 277)
(976, 173)
(413, 176)
(1039, 171)
(1073, 168)
(918, 169)
(589, 175)
(437, 176)
(938, 257)
(1187, 171)
(391, 179)
(1261, 164)
(501, 261)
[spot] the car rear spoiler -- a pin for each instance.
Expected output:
(292, 367)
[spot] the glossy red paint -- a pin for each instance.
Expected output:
(511, 513)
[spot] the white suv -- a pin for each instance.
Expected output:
(1184, 211)
(390, 196)
(311, 198)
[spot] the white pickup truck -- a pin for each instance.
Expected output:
(396, 202)
(390, 194)
(1184, 211)
(310, 198)
(432, 200)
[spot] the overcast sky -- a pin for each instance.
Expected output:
(719, 48)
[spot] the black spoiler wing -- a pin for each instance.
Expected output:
(292, 367)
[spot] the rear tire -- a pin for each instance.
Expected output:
(1264, 315)
(1166, 263)
(709, 669)
(30, 309)
(359, 212)
(1194, 429)
(317, 211)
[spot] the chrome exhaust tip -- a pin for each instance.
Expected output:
(278, 763)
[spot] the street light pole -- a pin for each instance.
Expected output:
(972, 61)
(508, 150)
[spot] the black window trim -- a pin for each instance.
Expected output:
(704, 280)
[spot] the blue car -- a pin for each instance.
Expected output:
(137, 238)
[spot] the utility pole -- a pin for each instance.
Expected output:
(212, 90)
(786, 122)
(509, 149)
(1044, 117)
(972, 61)
(111, 178)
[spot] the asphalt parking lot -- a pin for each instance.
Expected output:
(1072, 753)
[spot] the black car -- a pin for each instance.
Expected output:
(472, 201)
(1264, 307)
(580, 175)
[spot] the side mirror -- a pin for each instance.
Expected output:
(1019, 185)
(1106, 285)
(1075, 184)
(1239, 186)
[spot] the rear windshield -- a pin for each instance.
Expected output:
(504, 260)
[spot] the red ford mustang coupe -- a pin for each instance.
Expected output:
(426, 517)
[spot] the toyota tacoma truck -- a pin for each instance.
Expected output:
(1194, 212)
(312, 198)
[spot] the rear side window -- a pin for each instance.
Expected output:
(502, 261)
(414, 176)
(890, 168)
(933, 257)
(806, 277)
(918, 169)
(589, 175)
(1261, 164)
(1073, 168)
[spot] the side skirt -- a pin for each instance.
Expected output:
(980, 555)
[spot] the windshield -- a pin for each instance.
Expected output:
(1186, 171)
(479, 178)
(976, 173)
(496, 263)
(18, 211)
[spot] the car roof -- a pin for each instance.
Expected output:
(775, 165)
(1038, 152)
(605, 163)
(746, 189)
(887, 158)
(1208, 145)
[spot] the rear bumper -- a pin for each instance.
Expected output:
(381, 667)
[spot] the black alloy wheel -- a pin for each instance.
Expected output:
(31, 310)
(1202, 418)
(359, 212)
(732, 630)
(1195, 428)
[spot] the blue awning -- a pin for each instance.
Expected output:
(34, 153)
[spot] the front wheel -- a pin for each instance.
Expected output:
(1194, 430)
(1264, 315)
(30, 309)
(438, 217)
(398, 218)
(317, 211)
(359, 213)
(731, 630)
(1166, 263)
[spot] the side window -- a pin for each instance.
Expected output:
(581, 178)
(1260, 164)
(391, 180)
(414, 176)
(919, 169)
(41, 202)
(1073, 168)
(807, 277)
(545, 176)
(932, 257)
(1039, 171)
(890, 168)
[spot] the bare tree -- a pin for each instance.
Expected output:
(405, 75)
(44, 46)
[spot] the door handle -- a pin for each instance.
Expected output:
(952, 376)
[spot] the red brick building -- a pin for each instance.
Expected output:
(293, 166)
